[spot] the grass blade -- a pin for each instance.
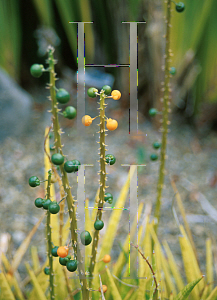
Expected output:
(36, 284)
(173, 267)
(209, 265)
(35, 259)
(44, 10)
(213, 295)
(189, 259)
(122, 259)
(115, 218)
(112, 286)
(182, 210)
(23, 247)
(187, 290)
(13, 280)
(6, 292)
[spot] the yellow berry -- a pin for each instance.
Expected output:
(62, 251)
(107, 258)
(86, 120)
(104, 288)
(111, 124)
(116, 95)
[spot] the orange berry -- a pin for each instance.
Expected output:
(86, 120)
(116, 95)
(62, 251)
(104, 288)
(111, 124)
(107, 258)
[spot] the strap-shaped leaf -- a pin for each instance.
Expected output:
(6, 292)
(36, 284)
(187, 290)
(112, 286)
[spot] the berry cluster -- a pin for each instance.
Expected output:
(58, 162)
(62, 96)
(52, 206)
(47, 204)
(92, 92)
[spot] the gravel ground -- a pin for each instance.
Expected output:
(191, 162)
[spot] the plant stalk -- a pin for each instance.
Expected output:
(49, 242)
(166, 99)
(66, 186)
(102, 181)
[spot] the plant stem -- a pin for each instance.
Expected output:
(166, 99)
(148, 263)
(62, 192)
(101, 182)
(66, 186)
(49, 243)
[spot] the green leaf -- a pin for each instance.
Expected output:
(36, 284)
(5, 291)
(187, 290)
(112, 286)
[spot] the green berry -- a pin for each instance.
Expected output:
(172, 70)
(180, 7)
(71, 265)
(69, 166)
(152, 112)
(76, 164)
(107, 89)
(57, 159)
(36, 70)
(110, 159)
(70, 112)
(62, 96)
(86, 238)
(108, 198)
(51, 135)
(99, 224)
(39, 202)
(91, 92)
(52, 147)
(34, 181)
(46, 203)
(63, 260)
(47, 271)
(156, 145)
(72, 166)
(153, 156)
(54, 251)
(54, 207)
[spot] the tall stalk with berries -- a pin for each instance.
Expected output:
(57, 159)
(111, 125)
(168, 72)
(61, 169)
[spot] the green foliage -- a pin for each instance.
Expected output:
(198, 15)
(11, 41)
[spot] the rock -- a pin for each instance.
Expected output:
(15, 107)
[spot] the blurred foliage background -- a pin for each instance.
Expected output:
(28, 26)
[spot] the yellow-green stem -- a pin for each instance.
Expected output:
(166, 100)
(101, 182)
(49, 242)
(66, 186)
